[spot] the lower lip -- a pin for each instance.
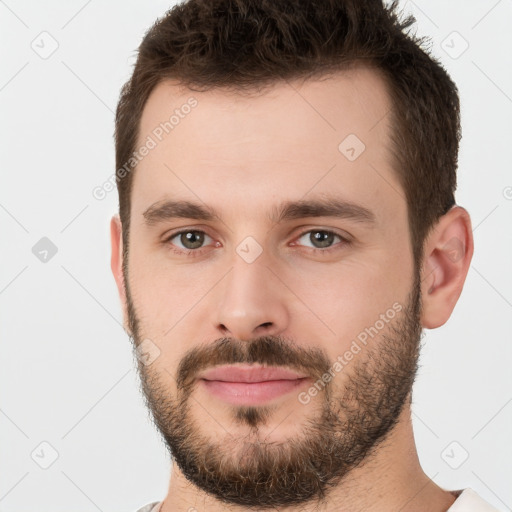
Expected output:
(251, 393)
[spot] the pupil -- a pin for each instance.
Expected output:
(323, 237)
(192, 239)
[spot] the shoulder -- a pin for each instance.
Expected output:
(469, 501)
(150, 507)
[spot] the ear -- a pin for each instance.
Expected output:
(116, 263)
(447, 255)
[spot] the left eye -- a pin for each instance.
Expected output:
(320, 238)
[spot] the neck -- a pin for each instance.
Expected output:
(390, 479)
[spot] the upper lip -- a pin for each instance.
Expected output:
(249, 373)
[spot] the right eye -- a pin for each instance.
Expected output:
(190, 239)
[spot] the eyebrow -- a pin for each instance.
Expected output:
(290, 210)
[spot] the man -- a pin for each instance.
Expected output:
(287, 227)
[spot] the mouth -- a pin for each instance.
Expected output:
(250, 384)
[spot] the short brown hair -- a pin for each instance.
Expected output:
(247, 45)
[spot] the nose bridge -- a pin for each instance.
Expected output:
(251, 304)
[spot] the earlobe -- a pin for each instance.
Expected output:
(447, 255)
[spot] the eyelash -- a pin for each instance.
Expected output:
(197, 252)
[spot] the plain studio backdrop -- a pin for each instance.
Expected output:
(75, 432)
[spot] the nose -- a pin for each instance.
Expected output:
(251, 302)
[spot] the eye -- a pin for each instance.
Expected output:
(322, 240)
(187, 241)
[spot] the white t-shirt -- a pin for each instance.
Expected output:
(468, 501)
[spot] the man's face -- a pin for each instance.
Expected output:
(334, 299)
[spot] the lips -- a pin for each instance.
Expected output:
(250, 373)
(249, 384)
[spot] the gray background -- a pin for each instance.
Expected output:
(68, 378)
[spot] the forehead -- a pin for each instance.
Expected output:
(245, 153)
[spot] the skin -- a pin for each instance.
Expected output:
(243, 156)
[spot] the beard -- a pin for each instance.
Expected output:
(349, 423)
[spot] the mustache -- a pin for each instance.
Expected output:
(265, 350)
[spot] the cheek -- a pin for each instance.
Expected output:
(161, 286)
(348, 297)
